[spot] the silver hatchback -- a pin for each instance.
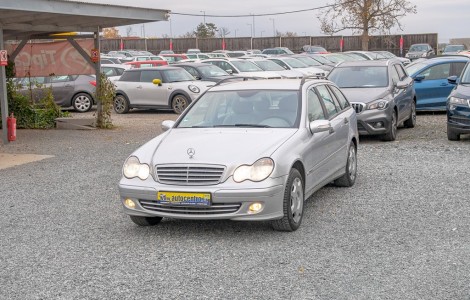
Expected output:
(250, 150)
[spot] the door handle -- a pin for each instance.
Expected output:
(444, 84)
(68, 85)
(139, 87)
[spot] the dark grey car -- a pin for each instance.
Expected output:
(68, 90)
(381, 92)
(203, 71)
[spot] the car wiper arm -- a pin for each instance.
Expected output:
(244, 125)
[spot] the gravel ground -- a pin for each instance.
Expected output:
(402, 232)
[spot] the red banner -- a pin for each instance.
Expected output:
(58, 58)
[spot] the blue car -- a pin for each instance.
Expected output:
(458, 106)
(431, 84)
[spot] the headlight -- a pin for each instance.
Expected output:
(379, 104)
(424, 54)
(133, 168)
(194, 88)
(258, 171)
(407, 55)
(455, 100)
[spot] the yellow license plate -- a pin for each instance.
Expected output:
(179, 198)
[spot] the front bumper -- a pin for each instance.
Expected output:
(229, 201)
(458, 118)
(374, 121)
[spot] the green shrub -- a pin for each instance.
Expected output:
(106, 96)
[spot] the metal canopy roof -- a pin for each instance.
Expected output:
(24, 18)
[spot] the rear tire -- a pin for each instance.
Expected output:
(145, 221)
(82, 102)
(349, 177)
(411, 122)
(452, 135)
(179, 103)
(121, 104)
(293, 204)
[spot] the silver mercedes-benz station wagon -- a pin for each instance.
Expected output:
(246, 150)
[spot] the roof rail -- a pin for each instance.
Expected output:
(239, 78)
(305, 78)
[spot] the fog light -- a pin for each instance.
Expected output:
(255, 208)
(129, 203)
(379, 125)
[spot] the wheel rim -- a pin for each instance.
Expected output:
(296, 199)
(119, 104)
(179, 104)
(394, 125)
(352, 160)
(82, 103)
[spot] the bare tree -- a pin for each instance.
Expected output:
(223, 32)
(128, 31)
(364, 16)
(189, 34)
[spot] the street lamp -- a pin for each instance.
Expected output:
(236, 32)
(274, 27)
(204, 12)
(262, 33)
(251, 28)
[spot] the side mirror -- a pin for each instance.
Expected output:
(157, 82)
(419, 77)
(230, 71)
(167, 124)
(401, 85)
(452, 79)
(197, 77)
(320, 126)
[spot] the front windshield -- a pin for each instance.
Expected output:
(295, 63)
(244, 108)
(309, 61)
(359, 77)
(415, 67)
(454, 48)
(177, 75)
(321, 59)
(418, 48)
(268, 65)
(212, 70)
(246, 66)
(466, 75)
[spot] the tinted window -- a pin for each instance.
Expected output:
(130, 76)
(457, 68)
(191, 71)
(341, 98)
(150, 75)
(327, 99)
(315, 110)
(440, 71)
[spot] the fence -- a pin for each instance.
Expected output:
(331, 43)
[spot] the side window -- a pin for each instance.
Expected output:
(133, 76)
(457, 68)
(55, 79)
(395, 76)
(315, 110)
(401, 72)
(328, 101)
(281, 63)
(107, 71)
(341, 98)
(150, 75)
(440, 71)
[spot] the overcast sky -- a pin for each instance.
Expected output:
(448, 18)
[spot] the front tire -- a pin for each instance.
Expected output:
(179, 103)
(121, 104)
(293, 204)
(411, 122)
(82, 102)
(145, 221)
(349, 177)
(452, 135)
(391, 135)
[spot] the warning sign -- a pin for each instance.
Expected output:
(3, 58)
(95, 55)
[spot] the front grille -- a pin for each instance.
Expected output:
(464, 121)
(189, 174)
(358, 107)
(360, 127)
(219, 208)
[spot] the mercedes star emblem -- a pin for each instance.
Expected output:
(191, 152)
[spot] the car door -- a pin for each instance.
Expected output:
(153, 94)
(63, 88)
(403, 97)
(432, 87)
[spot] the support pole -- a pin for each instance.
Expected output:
(3, 95)
(99, 106)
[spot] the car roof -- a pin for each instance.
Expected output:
(263, 84)
(192, 64)
(367, 63)
(153, 68)
(436, 60)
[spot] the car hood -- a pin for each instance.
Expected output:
(364, 95)
(461, 91)
(225, 146)
(262, 74)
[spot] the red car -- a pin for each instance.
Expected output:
(146, 63)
